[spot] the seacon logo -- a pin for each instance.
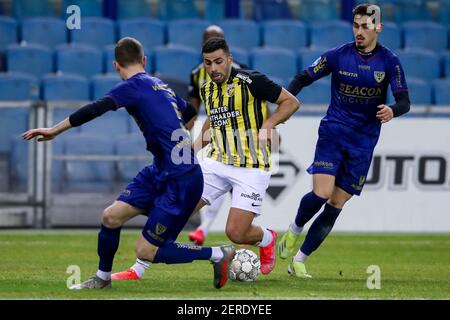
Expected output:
(285, 176)
(427, 171)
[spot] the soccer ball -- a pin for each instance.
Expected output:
(244, 266)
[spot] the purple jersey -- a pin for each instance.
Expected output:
(359, 84)
(157, 111)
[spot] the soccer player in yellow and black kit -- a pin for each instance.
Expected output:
(199, 77)
(238, 131)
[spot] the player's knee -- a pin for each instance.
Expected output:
(235, 235)
(110, 219)
(336, 202)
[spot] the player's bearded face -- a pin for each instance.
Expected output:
(364, 31)
(218, 65)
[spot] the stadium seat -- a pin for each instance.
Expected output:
(441, 89)
(48, 31)
(271, 10)
(285, 34)
(176, 62)
(422, 64)
(444, 12)
(96, 31)
(244, 34)
(330, 34)
(103, 83)
(410, 10)
(240, 56)
(31, 58)
(88, 176)
(79, 59)
(58, 114)
(88, 8)
(18, 164)
(177, 9)
(215, 10)
(286, 62)
(186, 32)
(425, 35)
(128, 9)
(317, 93)
(391, 36)
(110, 124)
(13, 122)
(8, 32)
(65, 87)
(131, 145)
(420, 91)
(319, 10)
(149, 32)
(18, 86)
(58, 166)
(307, 56)
(108, 58)
(32, 8)
(446, 64)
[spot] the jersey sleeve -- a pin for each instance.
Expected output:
(193, 91)
(263, 88)
(124, 94)
(396, 75)
(322, 66)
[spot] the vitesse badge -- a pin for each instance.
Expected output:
(160, 228)
(230, 89)
(379, 75)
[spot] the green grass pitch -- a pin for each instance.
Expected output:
(34, 263)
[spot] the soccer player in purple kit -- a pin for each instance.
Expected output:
(166, 191)
(361, 73)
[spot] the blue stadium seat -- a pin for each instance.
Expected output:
(18, 86)
(88, 8)
(391, 36)
(330, 34)
(215, 10)
(410, 10)
(103, 83)
(319, 10)
(444, 12)
(441, 89)
(59, 114)
(240, 56)
(422, 64)
(271, 10)
(285, 34)
(420, 91)
(244, 34)
(307, 56)
(177, 9)
(13, 122)
(108, 58)
(95, 31)
(425, 35)
(79, 59)
(32, 58)
(88, 176)
(18, 164)
(128, 9)
(32, 8)
(110, 124)
(446, 64)
(8, 32)
(65, 87)
(48, 31)
(58, 166)
(149, 32)
(176, 62)
(317, 93)
(286, 62)
(131, 145)
(186, 32)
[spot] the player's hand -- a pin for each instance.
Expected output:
(46, 133)
(265, 135)
(384, 113)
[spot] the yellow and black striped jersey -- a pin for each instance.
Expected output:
(199, 76)
(237, 109)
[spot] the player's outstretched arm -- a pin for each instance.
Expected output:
(47, 133)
